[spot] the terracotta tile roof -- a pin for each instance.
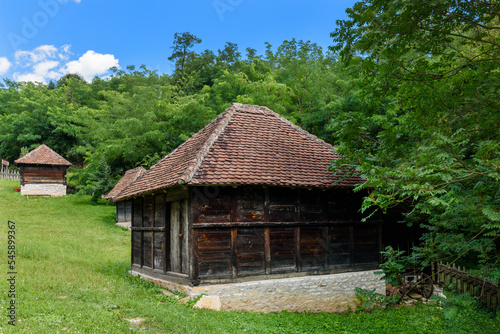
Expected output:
(130, 176)
(245, 145)
(43, 155)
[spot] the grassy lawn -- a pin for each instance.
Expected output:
(72, 267)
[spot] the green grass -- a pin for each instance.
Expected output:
(72, 277)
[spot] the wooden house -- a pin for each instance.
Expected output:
(43, 172)
(124, 208)
(248, 197)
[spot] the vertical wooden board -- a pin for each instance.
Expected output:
(234, 251)
(282, 204)
(250, 251)
(338, 245)
(266, 204)
(159, 247)
(195, 259)
(175, 255)
(214, 252)
(312, 251)
(147, 249)
(282, 249)
(365, 243)
(183, 239)
(137, 214)
(167, 236)
(136, 248)
(159, 210)
(128, 211)
(311, 206)
(148, 211)
(267, 249)
(120, 212)
(249, 204)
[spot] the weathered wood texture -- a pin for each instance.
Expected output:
(43, 174)
(160, 233)
(255, 231)
(487, 292)
(250, 231)
(124, 212)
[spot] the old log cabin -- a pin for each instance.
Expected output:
(124, 208)
(248, 197)
(43, 172)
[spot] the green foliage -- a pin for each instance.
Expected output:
(367, 300)
(81, 260)
(137, 116)
(427, 140)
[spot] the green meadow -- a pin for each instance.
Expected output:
(72, 276)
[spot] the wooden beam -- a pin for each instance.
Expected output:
(148, 229)
(266, 204)
(234, 250)
(282, 224)
(267, 250)
(195, 276)
(298, 258)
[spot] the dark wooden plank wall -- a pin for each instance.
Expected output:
(254, 230)
(149, 239)
(124, 212)
(43, 174)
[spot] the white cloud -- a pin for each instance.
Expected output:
(91, 64)
(40, 54)
(48, 62)
(33, 77)
(4, 65)
(41, 72)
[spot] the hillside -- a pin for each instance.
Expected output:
(72, 277)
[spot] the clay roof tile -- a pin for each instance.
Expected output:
(246, 145)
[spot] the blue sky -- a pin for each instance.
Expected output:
(41, 40)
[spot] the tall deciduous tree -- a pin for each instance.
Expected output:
(431, 139)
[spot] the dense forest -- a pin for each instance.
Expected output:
(409, 93)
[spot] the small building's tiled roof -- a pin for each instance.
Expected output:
(245, 145)
(43, 155)
(129, 177)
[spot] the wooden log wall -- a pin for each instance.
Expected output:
(487, 292)
(256, 231)
(160, 233)
(124, 212)
(43, 174)
(149, 235)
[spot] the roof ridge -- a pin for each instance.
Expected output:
(192, 168)
(134, 169)
(141, 171)
(284, 120)
(30, 153)
(43, 149)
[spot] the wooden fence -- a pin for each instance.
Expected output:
(485, 290)
(10, 175)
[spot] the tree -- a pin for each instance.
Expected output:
(430, 140)
(182, 48)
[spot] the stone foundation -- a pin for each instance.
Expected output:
(43, 189)
(321, 293)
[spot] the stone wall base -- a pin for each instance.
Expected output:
(43, 189)
(322, 293)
